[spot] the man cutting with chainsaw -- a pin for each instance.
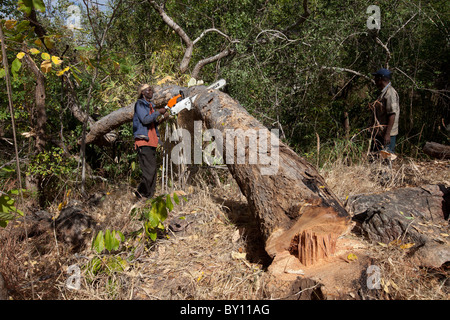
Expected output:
(146, 135)
(146, 138)
(386, 111)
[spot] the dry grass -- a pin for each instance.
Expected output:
(375, 177)
(219, 256)
(401, 279)
(210, 260)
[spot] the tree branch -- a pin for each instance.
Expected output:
(303, 18)
(190, 44)
(214, 30)
(175, 27)
(206, 61)
(392, 35)
(350, 71)
(441, 92)
(384, 46)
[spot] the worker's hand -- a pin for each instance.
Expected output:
(164, 117)
(387, 139)
(162, 110)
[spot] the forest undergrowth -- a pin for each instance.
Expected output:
(216, 253)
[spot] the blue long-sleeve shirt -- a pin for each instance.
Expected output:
(142, 118)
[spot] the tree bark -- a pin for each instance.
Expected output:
(296, 210)
(38, 121)
(39, 114)
(415, 215)
(437, 150)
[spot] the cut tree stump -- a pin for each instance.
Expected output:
(437, 150)
(296, 210)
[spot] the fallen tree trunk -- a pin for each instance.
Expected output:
(296, 210)
(437, 150)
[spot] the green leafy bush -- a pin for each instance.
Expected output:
(109, 240)
(49, 163)
(8, 211)
(155, 214)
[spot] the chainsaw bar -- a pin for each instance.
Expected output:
(186, 103)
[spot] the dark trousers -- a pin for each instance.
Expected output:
(147, 162)
(378, 144)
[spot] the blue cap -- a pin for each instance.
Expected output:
(383, 72)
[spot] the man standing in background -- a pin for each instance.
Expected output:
(386, 112)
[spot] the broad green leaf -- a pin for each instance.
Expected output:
(25, 6)
(39, 5)
(99, 242)
(169, 203)
(85, 48)
(22, 26)
(109, 241)
(2, 73)
(160, 209)
(175, 198)
(153, 219)
(7, 216)
(120, 234)
(15, 66)
(116, 241)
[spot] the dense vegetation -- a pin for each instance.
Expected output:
(302, 67)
